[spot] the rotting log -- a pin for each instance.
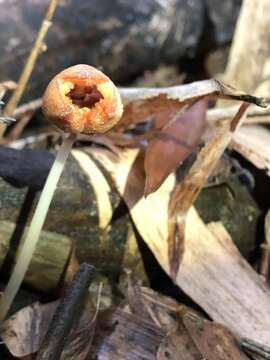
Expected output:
(85, 212)
(212, 272)
(231, 202)
(50, 259)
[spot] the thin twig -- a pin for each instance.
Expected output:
(17, 130)
(27, 108)
(219, 114)
(5, 86)
(213, 115)
(30, 63)
(66, 313)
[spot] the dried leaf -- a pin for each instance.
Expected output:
(214, 341)
(140, 103)
(100, 187)
(122, 335)
(173, 145)
(23, 333)
(178, 345)
(178, 336)
(186, 192)
(167, 331)
(212, 272)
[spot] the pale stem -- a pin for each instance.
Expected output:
(35, 227)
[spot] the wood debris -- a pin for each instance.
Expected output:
(206, 259)
(168, 330)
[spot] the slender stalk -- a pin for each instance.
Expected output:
(36, 225)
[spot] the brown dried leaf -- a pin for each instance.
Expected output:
(178, 345)
(186, 192)
(122, 335)
(169, 332)
(212, 271)
(214, 341)
(173, 145)
(140, 103)
(165, 331)
(24, 332)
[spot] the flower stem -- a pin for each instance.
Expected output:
(35, 227)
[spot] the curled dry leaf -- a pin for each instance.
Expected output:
(24, 332)
(169, 332)
(241, 294)
(186, 192)
(173, 145)
(215, 341)
(140, 103)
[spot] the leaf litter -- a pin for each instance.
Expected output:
(194, 255)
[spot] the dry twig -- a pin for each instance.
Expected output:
(65, 315)
(30, 63)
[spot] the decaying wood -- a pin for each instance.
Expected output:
(85, 189)
(166, 331)
(252, 142)
(250, 48)
(85, 211)
(49, 262)
(212, 271)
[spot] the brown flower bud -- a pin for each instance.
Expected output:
(81, 99)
